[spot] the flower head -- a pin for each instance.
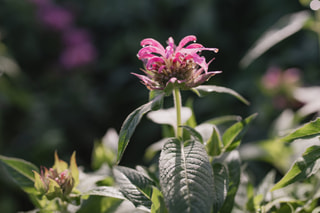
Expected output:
(181, 65)
(58, 181)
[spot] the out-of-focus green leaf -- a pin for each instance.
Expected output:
(309, 130)
(221, 184)
(232, 163)
(134, 185)
(21, 171)
(186, 177)
(131, 123)
(192, 122)
(205, 89)
(224, 119)
(232, 136)
(105, 151)
(303, 168)
(284, 28)
(158, 205)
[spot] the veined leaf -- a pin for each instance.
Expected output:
(131, 122)
(221, 184)
(205, 89)
(303, 168)
(134, 185)
(232, 136)
(231, 161)
(20, 170)
(309, 130)
(186, 177)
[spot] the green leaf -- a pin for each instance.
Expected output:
(309, 130)
(131, 122)
(134, 185)
(152, 95)
(214, 144)
(158, 205)
(100, 204)
(221, 184)
(192, 120)
(224, 119)
(285, 27)
(205, 89)
(232, 136)
(194, 133)
(232, 163)
(21, 171)
(186, 177)
(303, 168)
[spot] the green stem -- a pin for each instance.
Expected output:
(177, 105)
(317, 26)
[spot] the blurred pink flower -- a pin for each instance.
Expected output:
(78, 55)
(55, 17)
(272, 78)
(181, 65)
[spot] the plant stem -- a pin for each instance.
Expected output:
(177, 105)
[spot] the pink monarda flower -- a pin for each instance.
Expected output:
(180, 65)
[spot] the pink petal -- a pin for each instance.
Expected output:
(194, 45)
(152, 42)
(146, 51)
(145, 80)
(153, 60)
(185, 41)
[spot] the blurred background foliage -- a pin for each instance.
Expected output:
(65, 71)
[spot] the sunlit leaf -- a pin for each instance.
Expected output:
(134, 185)
(169, 116)
(107, 191)
(303, 168)
(232, 136)
(131, 123)
(21, 171)
(309, 130)
(206, 89)
(186, 177)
